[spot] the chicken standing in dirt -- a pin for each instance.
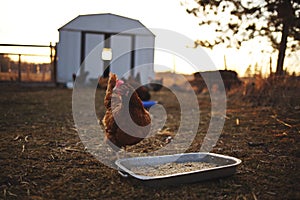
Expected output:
(118, 94)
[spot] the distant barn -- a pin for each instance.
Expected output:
(120, 43)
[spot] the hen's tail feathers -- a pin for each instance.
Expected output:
(111, 84)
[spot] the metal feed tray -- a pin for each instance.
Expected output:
(220, 166)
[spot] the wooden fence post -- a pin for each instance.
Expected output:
(51, 60)
(55, 64)
(19, 69)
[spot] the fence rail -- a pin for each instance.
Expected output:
(23, 70)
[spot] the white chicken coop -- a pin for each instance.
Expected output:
(122, 45)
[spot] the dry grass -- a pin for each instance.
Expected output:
(274, 91)
(42, 157)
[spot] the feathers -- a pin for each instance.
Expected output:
(126, 121)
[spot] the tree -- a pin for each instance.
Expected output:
(237, 21)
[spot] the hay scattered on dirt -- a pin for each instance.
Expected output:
(43, 157)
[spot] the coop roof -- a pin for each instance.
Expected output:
(106, 23)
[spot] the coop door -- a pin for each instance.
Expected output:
(121, 47)
(93, 51)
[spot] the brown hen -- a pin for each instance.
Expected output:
(122, 132)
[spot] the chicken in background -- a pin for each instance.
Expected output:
(141, 90)
(120, 92)
(102, 82)
(155, 85)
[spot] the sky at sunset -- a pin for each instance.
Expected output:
(37, 22)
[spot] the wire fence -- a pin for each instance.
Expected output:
(27, 63)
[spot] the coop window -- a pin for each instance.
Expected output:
(106, 54)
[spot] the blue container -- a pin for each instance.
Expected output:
(148, 104)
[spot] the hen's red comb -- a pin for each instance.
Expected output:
(119, 83)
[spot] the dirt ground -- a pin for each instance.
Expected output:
(42, 157)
